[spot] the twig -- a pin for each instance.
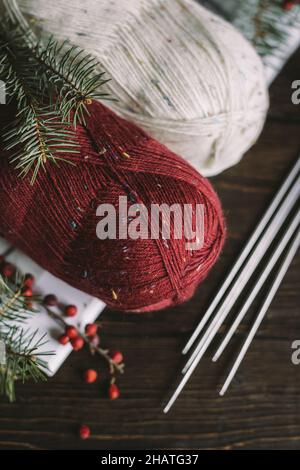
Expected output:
(104, 353)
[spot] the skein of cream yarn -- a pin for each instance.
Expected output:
(180, 72)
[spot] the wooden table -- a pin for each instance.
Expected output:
(261, 409)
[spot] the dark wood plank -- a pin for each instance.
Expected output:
(262, 408)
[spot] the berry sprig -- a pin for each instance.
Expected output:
(24, 298)
(90, 337)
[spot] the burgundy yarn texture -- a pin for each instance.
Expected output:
(54, 221)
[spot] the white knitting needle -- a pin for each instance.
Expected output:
(244, 276)
(245, 252)
(280, 216)
(263, 310)
(271, 263)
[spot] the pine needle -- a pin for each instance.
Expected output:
(52, 85)
(23, 360)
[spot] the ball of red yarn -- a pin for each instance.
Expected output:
(54, 221)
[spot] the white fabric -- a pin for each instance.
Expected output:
(89, 308)
(180, 72)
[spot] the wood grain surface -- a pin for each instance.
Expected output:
(262, 408)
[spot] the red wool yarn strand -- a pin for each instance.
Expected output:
(54, 221)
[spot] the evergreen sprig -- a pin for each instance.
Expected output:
(52, 85)
(23, 360)
(72, 76)
(37, 134)
(13, 304)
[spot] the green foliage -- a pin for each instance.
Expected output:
(23, 361)
(51, 85)
(72, 77)
(13, 306)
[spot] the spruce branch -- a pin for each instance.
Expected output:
(13, 304)
(52, 85)
(72, 74)
(66, 67)
(37, 134)
(23, 361)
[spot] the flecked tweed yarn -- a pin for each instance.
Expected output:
(54, 221)
(180, 72)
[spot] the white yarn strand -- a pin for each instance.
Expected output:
(180, 72)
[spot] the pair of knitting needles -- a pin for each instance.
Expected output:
(246, 264)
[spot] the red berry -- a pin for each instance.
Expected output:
(50, 300)
(71, 332)
(63, 339)
(90, 376)
(91, 329)
(117, 357)
(84, 431)
(2, 259)
(27, 292)
(29, 280)
(77, 343)
(71, 310)
(289, 4)
(7, 270)
(113, 392)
